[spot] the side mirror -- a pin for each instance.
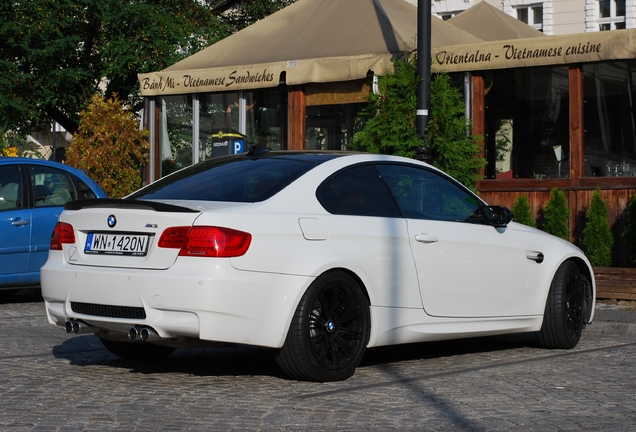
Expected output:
(497, 216)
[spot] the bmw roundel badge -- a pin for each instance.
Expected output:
(112, 221)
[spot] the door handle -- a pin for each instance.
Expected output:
(19, 222)
(426, 238)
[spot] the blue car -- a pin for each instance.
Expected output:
(32, 196)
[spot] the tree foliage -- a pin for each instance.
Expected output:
(110, 147)
(597, 235)
(55, 54)
(454, 149)
(388, 123)
(521, 211)
(557, 215)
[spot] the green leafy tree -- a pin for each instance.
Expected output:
(557, 215)
(110, 147)
(629, 233)
(521, 211)
(388, 124)
(55, 54)
(597, 236)
(238, 14)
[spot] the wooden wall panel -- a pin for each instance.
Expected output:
(297, 119)
(579, 200)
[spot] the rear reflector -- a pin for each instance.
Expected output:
(62, 233)
(206, 241)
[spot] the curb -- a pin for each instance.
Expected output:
(613, 319)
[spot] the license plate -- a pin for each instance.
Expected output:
(117, 244)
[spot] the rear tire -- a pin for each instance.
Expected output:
(329, 332)
(137, 351)
(563, 317)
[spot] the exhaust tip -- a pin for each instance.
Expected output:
(133, 333)
(68, 326)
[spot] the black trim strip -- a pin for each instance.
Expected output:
(113, 203)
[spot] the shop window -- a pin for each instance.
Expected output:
(611, 14)
(330, 127)
(218, 124)
(527, 123)
(331, 112)
(266, 114)
(175, 133)
(610, 125)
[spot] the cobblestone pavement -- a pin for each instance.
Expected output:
(53, 381)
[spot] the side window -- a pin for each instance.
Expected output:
(10, 188)
(424, 194)
(51, 187)
(357, 191)
(86, 192)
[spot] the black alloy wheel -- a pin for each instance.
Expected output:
(329, 332)
(563, 317)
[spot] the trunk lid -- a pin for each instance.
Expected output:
(123, 233)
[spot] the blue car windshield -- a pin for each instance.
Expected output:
(233, 178)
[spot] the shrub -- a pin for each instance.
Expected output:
(521, 211)
(597, 236)
(629, 234)
(110, 147)
(557, 215)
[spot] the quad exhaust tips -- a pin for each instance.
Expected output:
(142, 333)
(79, 327)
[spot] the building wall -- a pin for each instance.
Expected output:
(560, 17)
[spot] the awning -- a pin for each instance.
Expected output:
(311, 41)
(539, 51)
(490, 24)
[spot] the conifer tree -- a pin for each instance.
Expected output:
(388, 124)
(597, 236)
(557, 215)
(521, 211)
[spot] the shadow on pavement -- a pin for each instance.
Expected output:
(20, 295)
(241, 360)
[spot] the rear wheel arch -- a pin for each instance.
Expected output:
(329, 330)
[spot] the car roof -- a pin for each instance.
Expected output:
(7, 160)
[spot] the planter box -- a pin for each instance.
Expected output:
(615, 283)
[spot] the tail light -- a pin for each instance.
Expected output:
(62, 233)
(206, 241)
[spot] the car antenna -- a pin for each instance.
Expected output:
(257, 151)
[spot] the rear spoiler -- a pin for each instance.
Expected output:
(126, 204)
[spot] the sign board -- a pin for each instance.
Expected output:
(227, 142)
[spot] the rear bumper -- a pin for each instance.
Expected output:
(227, 305)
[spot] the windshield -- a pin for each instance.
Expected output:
(233, 178)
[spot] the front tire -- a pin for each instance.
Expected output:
(563, 317)
(329, 332)
(137, 351)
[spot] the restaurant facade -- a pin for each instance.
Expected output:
(554, 111)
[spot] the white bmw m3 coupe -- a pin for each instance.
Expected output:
(318, 255)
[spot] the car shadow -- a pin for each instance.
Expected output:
(241, 360)
(20, 295)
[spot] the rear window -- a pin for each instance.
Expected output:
(232, 179)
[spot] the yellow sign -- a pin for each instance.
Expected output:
(10, 151)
